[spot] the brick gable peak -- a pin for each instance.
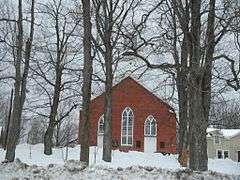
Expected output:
(130, 78)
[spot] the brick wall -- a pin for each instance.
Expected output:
(128, 93)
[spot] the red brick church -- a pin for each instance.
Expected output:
(140, 120)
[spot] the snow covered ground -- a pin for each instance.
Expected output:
(34, 155)
(132, 165)
(73, 170)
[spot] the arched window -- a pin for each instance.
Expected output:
(101, 125)
(150, 126)
(127, 127)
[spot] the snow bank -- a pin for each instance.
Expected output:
(33, 154)
(74, 170)
(121, 161)
(226, 166)
(134, 158)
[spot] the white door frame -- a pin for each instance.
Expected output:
(150, 136)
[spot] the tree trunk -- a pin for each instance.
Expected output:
(183, 116)
(198, 121)
(58, 126)
(20, 83)
(48, 137)
(181, 81)
(198, 125)
(87, 80)
(182, 73)
(200, 89)
(48, 143)
(107, 138)
(15, 123)
(2, 137)
(61, 51)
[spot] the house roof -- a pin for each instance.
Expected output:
(144, 88)
(227, 133)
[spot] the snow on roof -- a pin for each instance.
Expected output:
(230, 132)
(227, 133)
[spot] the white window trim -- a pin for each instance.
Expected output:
(127, 127)
(100, 133)
(222, 153)
(151, 119)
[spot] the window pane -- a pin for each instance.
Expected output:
(124, 125)
(129, 130)
(225, 154)
(101, 128)
(147, 127)
(124, 140)
(127, 126)
(130, 121)
(124, 131)
(130, 113)
(219, 154)
(124, 120)
(150, 126)
(129, 140)
(101, 125)
(147, 130)
(153, 128)
(125, 113)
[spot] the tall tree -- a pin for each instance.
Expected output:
(87, 79)
(61, 53)
(192, 34)
(110, 19)
(20, 80)
(200, 84)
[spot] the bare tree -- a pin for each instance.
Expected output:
(20, 80)
(227, 61)
(110, 18)
(225, 114)
(189, 30)
(66, 126)
(59, 47)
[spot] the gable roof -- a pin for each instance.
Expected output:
(227, 133)
(140, 85)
